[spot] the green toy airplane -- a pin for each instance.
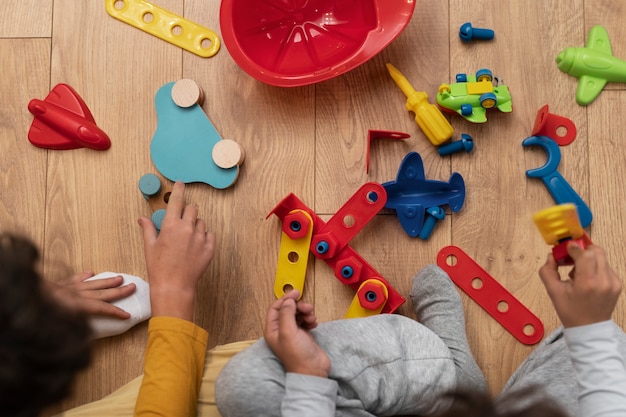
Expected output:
(594, 65)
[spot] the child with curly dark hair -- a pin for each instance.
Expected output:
(43, 344)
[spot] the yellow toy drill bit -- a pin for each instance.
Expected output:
(427, 116)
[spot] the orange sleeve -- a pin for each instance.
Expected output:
(173, 366)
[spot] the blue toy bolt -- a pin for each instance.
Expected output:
(435, 214)
(468, 33)
(465, 144)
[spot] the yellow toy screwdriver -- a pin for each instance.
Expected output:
(428, 116)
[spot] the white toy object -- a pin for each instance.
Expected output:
(137, 304)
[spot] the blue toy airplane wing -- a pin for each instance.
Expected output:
(457, 184)
(411, 168)
(411, 218)
(599, 40)
(588, 88)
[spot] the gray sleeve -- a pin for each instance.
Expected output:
(600, 369)
(307, 395)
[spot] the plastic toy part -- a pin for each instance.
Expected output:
(297, 43)
(427, 116)
(369, 299)
(594, 65)
(348, 220)
(557, 186)
(294, 253)
(165, 25)
(466, 143)
(471, 96)
(561, 129)
(182, 146)
(490, 295)
(380, 134)
(349, 267)
(63, 121)
(434, 215)
(559, 225)
(411, 193)
(468, 33)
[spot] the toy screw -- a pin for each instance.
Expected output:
(434, 215)
(468, 33)
(465, 144)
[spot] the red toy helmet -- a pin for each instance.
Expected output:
(291, 43)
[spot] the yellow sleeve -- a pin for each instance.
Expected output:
(173, 366)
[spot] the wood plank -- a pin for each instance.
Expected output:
(26, 18)
(22, 165)
(93, 201)
(606, 171)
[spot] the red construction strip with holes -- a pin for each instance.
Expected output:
(330, 239)
(516, 318)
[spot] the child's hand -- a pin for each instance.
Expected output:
(591, 292)
(177, 257)
(287, 333)
(92, 297)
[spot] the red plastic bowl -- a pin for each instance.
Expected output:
(290, 43)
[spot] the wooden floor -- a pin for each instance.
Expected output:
(81, 206)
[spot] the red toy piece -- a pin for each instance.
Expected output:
(63, 121)
(491, 295)
(380, 134)
(548, 124)
(348, 221)
(560, 254)
(333, 238)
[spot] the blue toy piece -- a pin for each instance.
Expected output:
(157, 218)
(435, 214)
(182, 145)
(466, 143)
(411, 193)
(149, 185)
(468, 33)
(561, 190)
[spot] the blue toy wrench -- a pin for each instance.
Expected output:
(560, 189)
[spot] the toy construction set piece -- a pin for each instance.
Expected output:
(594, 65)
(560, 129)
(411, 195)
(184, 145)
(330, 241)
(157, 196)
(557, 186)
(63, 121)
(469, 33)
(293, 255)
(165, 25)
(560, 225)
(471, 96)
(369, 300)
(490, 295)
(427, 116)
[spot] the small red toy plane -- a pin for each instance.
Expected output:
(63, 121)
